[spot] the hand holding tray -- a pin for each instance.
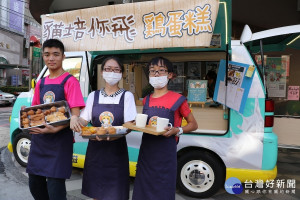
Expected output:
(120, 132)
(148, 129)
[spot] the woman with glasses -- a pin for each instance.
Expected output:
(157, 162)
(106, 168)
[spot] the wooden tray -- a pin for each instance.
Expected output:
(148, 129)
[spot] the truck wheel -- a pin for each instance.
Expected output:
(200, 174)
(21, 147)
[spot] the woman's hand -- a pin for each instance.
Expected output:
(128, 131)
(107, 138)
(170, 131)
(75, 123)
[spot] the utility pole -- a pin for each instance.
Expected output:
(31, 63)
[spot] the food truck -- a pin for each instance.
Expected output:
(234, 136)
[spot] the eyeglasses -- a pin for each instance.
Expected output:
(112, 70)
(160, 72)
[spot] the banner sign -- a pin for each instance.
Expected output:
(16, 11)
(235, 94)
(142, 25)
(36, 52)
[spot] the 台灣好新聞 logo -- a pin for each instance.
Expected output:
(233, 186)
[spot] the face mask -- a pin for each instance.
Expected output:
(158, 82)
(112, 78)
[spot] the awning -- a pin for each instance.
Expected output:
(35, 41)
(277, 39)
(10, 66)
(3, 60)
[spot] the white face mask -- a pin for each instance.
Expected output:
(112, 78)
(158, 82)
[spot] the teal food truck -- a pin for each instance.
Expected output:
(234, 136)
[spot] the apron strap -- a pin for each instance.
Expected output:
(65, 80)
(146, 106)
(178, 103)
(42, 83)
(147, 101)
(121, 102)
(96, 99)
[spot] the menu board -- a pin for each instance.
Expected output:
(235, 94)
(197, 90)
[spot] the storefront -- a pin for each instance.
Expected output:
(11, 47)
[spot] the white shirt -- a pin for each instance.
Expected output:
(129, 105)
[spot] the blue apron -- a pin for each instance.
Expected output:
(51, 154)
(106, 167)
(157, 162)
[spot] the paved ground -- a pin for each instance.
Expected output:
(14, 178)
(14, 186)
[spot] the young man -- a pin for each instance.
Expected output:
(50, 157)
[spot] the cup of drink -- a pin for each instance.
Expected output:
(141, 120)
(162, 123)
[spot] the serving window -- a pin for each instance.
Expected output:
(190, 80)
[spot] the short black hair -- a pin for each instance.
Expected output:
(115, 59)
(164, 61)
(54, 43)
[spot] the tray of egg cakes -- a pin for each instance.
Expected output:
(55, 114)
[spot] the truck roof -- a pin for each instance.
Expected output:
(282, 37)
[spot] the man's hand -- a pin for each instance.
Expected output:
(48, 129)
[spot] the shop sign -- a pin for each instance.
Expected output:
(293, 93)
(36, 52)
(4, 45)
(25, 72)
(142, 25)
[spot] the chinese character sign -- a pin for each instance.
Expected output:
(142, 25)
(293, 93)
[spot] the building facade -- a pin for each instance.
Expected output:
(16, 27)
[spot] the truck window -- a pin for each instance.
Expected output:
(71, 65)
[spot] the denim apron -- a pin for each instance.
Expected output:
(106, 167)
(51, 154)
(157, 162)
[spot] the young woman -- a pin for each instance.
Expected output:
(156, 168)
(106, 168)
